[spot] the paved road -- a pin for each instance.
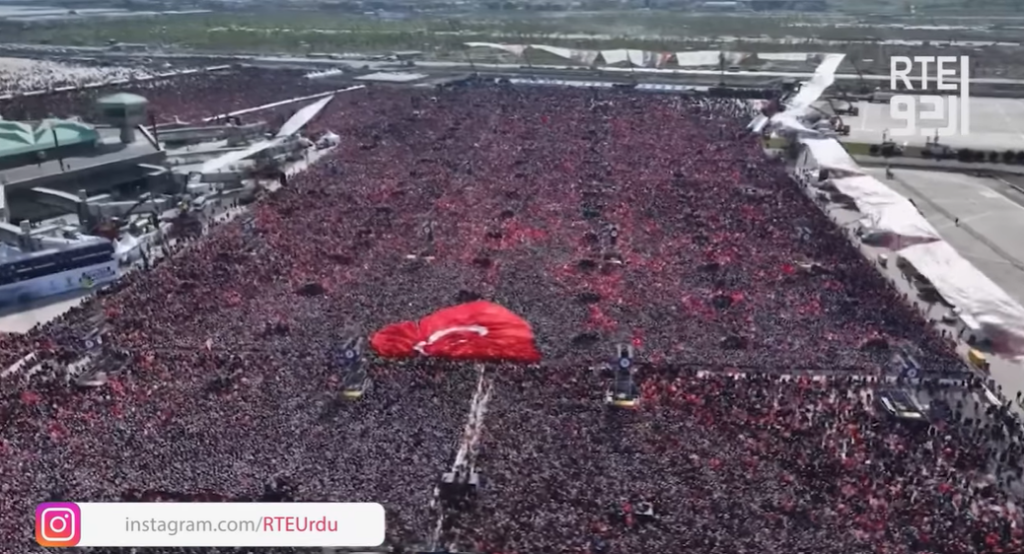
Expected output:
(988, 217)
(1006, 170)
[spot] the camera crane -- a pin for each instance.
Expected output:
(457, 489)
(622, 391)
(355, 380)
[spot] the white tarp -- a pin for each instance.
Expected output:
(735, 58)
(127, 248)
(790, 121)
(391, 77)
(564, 53)
(638, 58)
(613, 57)
(661, 59)
(700, 58)
(296, 122)
(813, 88)
(585, 57)
(324, 74)
(516, 49)
(783, 56)
(1001, 318)
(889, 218)
(236, 156)
(829, 154)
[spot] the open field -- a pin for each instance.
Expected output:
(995, 124)
(304, 32)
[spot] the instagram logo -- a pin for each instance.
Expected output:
(58, 524)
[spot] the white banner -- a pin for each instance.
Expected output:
(203, 525)
(700, 58)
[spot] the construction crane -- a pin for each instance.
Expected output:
(110, 227)
(864, 87)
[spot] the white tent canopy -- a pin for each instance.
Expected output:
(699, 58)
(565, 53)
(516, 49)
(783, 56)
(813, 88)
(888, 216)
(827, 153)
(963, 285)
(296, 122)
(639, 58)
(613, 57)
(236, 156)
(650, 58)
(891, 217)
(790, 121)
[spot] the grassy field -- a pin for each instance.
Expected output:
(316, 31)
(862, 38)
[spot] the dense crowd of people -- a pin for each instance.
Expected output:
(21, 75)
(716, 464)
(175, 98)
(598, 216)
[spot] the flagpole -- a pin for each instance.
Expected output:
(156, 135)
(56, 147)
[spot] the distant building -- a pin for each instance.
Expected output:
(720, 6)
(787, 5)
(46, 163)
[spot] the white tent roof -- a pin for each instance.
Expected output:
(612, 57)
(790, 120)
(296, 122)
(813, 88)
(784, 56)
(638, 58)
(829, 154)
(556, 50)
(516, 49)
(963, 285)
(887, 212)
(392, 77)
(699, 58)
(236, 156)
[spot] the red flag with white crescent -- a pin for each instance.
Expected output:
(476, 331)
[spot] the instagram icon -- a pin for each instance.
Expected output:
(58, 524)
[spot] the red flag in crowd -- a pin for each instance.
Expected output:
(478, 331)
(30, 397)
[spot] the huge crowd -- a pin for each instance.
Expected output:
(600, 217)
(718, 464)
(187, 97)
(22, 75)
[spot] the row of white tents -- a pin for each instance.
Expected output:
(648, 58)
(892, 220)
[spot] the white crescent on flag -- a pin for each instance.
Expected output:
(438, 335)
